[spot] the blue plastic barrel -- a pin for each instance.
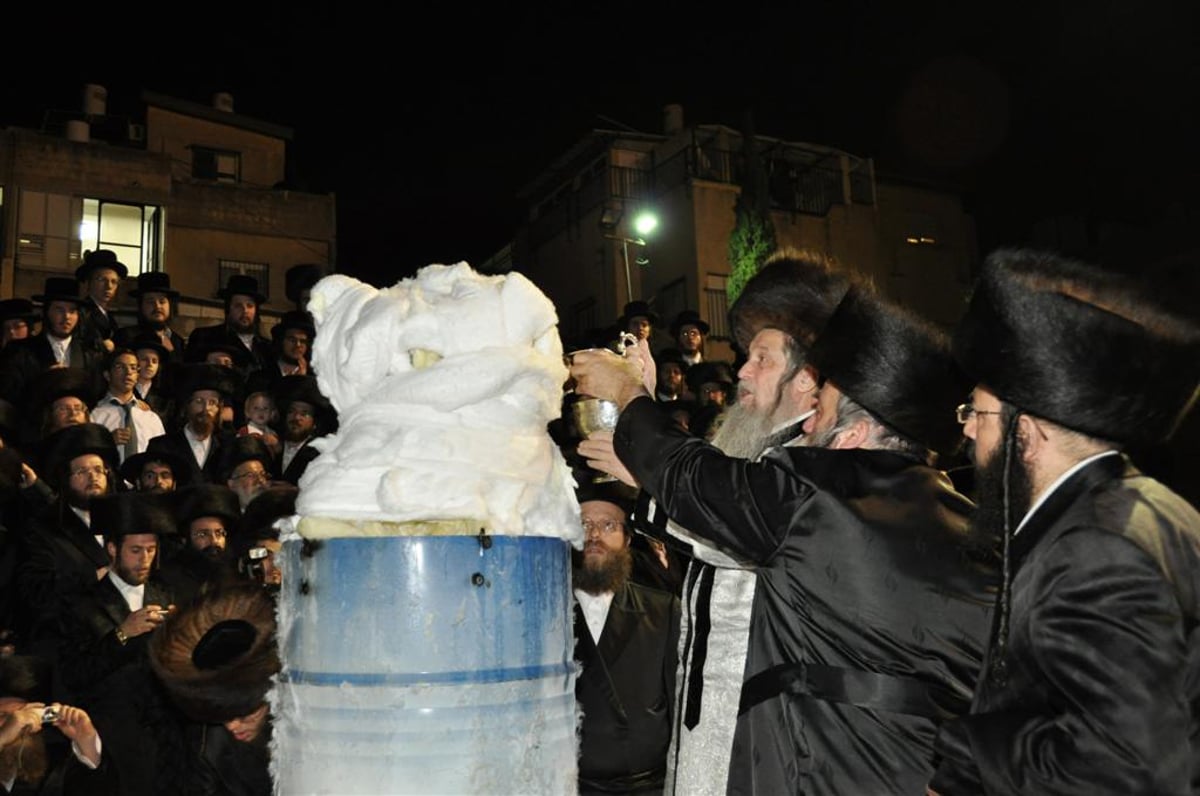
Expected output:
(424, 664)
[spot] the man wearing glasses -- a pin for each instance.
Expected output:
(1091, 683)
(626, 641)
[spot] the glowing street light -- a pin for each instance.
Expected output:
(645, 223)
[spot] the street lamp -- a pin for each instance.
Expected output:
(645, 223)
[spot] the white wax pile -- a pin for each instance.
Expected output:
(461, 436)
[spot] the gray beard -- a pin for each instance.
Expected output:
(744, 433)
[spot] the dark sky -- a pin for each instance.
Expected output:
(426, 127)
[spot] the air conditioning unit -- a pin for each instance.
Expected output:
(137, 132)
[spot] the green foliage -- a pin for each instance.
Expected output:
(750, 243)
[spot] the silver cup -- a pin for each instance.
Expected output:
(595, 414)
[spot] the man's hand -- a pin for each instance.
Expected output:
(26, 720)
(143, 620)
(28, 476)
(640, 354)
(122, 435)
(600, 455)
(602, 374)
(107, 345)
(76, 725)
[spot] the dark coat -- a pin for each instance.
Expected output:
(66, 776)
(260, 354)
(213, 471)
(226, 766)
(61, 559)
(95, 326)
(625, 690)
(91, 651)
(298, 464)
(870, 614)
(125, 336)
(22, 361)
(1102, 694)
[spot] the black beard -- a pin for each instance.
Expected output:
(157, 326)
(987, 523)
(611, 575)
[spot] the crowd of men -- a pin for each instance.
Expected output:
(141, 475)
(854, 620)
(788, 584)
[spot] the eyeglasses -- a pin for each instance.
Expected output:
(205, 534)
(605, 526)
(296, 340)
(254, 475)
(70, 409)
(689, 333)
(96, 470)
(964, 412)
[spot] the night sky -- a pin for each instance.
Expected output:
(426, 123)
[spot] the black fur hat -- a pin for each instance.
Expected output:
(245, 448)
(216, 657)
(609, 491)
(1082, 347)
(195, 376)
(208, 500)
(116, 516)
(895, 365)
(25, 677)
(794, 292)
(273, 503)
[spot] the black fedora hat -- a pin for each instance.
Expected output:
(193, 376)
(68, 443)
(635, 308)
(237, 352)
(242, 285)
(154, 282)
(55, 383)
(144, 340)
(299, 278)
(18, 309)
(208, 500)
(686, 318)
(100, 258)
(705, 372)
(304, 388)
(294, 319)
(131, 468)
(272, 504)
(246, 448)
(125, 513)
(59, 288)
(26, 677)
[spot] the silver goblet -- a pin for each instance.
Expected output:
(595, 414)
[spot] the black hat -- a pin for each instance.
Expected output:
(101, 258)
(242, 285)
(895, 365)
(55, 383)
(304, 388)
(217, 657)
(686, 318)
(634, 309)
(18, 309)
(1081, 347)
(26, 677)
(125, 513)
(670, 355)
(208, 500)
(703, 372)
(613, 492)
(237, 352)
(248, 447)
(63, 445)
(294, 319)
(154, 282)
(272, 504)
(795, 292)
(59, 288)
(299, 278)
(149, 340)
(193, 376)
(131, 468)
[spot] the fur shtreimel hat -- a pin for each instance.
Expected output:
(1079, 346)
(125, 513)
(216, 657)
(795, 292)
(895, 365)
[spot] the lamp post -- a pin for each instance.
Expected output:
(645, 223)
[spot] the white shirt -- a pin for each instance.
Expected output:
(110, 413)
(595, 610)
(693, 359)
(134, 596)
(200, 447)
(247, 341)
(59, 347)
(1057, 483)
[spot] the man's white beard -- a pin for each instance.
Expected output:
(744, 433)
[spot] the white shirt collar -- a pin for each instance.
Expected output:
(1048, 491)
(800, 418)
(595, 610)
(135, 596)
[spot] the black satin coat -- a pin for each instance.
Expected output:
(625, 690)
(863, 570)
(1103, 658)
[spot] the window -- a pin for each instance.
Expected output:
(221, 165)
(132, 231)
(260, 271)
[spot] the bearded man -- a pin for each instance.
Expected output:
(871, 608)
(208, 514)
(155, 301)
(626, 640)
(240, 328)
(1091, 682)
(775, 321)
(203, 390)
